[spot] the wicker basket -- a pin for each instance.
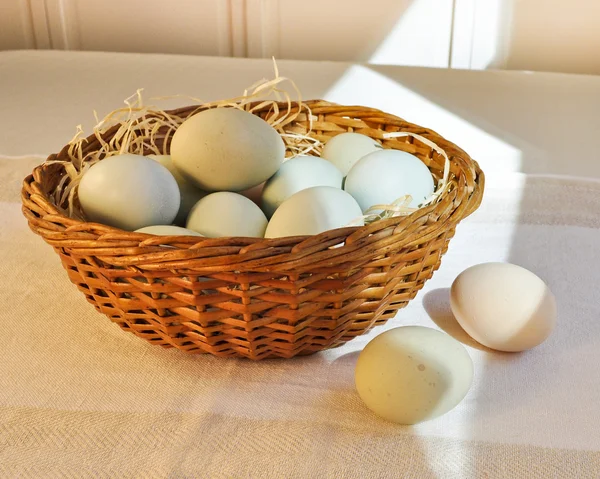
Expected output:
(253, 297)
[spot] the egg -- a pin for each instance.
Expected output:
(190, 195)
(226, 149)
(129, 192)
(412, 374)
(296, 175)
(313, 211)
(227, 214)
(503, 306)
(345, 149)
(167, 230)
(382, 177)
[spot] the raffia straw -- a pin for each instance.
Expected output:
(139, 125)
(300, 144)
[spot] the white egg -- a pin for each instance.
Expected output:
(345, 149)
(412, 374)
(167, 230)
(129, 192)
(227, 214)
(503, 306)
(296, 175)
(384, 176)
(226, 149)
(190, 195)
(313, 211)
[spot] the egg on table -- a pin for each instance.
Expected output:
(227, 214)
(382, 177)
(129, 192)
(190, 195)
(226, 149)
(345, 149)
(412, 374)
(313, 211)
(296, 175)
(503, 306)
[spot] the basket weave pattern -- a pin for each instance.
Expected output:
(258, 298)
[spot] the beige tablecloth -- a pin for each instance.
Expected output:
(81, 398)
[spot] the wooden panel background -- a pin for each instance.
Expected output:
(472, 34)
(16, 25)
(200, 27)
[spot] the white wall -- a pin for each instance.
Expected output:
(402, 32)
(16, 28)
(475, 34)
(555, 35)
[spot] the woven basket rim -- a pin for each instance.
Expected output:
(58, 229)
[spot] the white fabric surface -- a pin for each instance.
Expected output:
(81, 398)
